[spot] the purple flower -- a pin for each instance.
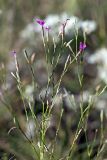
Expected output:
(13, 53)
(47, 28)
(82, 46)
(40, 21)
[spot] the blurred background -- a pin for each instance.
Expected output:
(19, 31)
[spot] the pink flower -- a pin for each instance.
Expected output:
(13, 53)
(40, 21)
(82, 46)
(47, 28)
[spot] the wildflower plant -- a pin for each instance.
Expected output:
(42, 148)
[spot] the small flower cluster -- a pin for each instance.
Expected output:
(42, 23)
(82, 45)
